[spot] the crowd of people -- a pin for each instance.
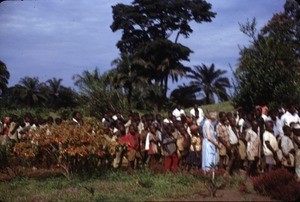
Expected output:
(254, 142)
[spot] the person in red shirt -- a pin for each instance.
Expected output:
(6, 126)
(131, 140)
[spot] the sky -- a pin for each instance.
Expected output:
(62, 38)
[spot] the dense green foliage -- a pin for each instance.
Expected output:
(123, 75)
(98, 94)
(185, 95)
(148, 41)
(31, 93)
(268, 72)
(4, 76)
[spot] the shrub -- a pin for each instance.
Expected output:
(279, 184)
(74, 148)
(287, 192)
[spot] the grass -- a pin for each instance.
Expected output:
(109, 185)
(224, 106)
(116, 185)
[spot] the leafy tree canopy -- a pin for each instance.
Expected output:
(29, 91)
(268, 71)
(148, 29)
(98, 94)
(4, 76)
(147, 20)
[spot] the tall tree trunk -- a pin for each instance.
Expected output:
(166, 86)
(129, 95)
(207, 98)
(177, 36)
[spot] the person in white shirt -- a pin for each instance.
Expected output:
(234, 140)
(253, 148)
(270, 146)
(77, 118)
(178, 112)
(241, 118)
(198, 113)
(290, 116)
(141, 125)
(264, 113)
(276, 123)
(107, 119)
(279, 122)
(169, 119)
(288, 150)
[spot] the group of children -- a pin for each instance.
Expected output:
(254, 142)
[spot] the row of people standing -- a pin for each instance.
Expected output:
(188, 141)
(226, 141)
(217, 140)
(272, 138)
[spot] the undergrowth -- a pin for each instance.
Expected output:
(107, 185)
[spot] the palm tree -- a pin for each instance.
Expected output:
(67, 97)
(4, 76)
(88, 81)
(161, 61)
(98, 93)
(185, 95)
(29, 91)
(210, 81)
(162, 71)
(54, 87)
(125, 76)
